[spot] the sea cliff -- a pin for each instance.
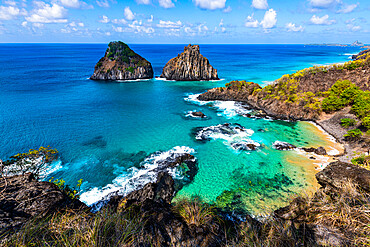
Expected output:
(122, 63)
(189, 66)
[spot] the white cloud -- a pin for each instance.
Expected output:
(71, 3)
(348, 8)
(166, 4)
(10, 12)
(202, 28)
(151, 18)
(260, 4)
(221, 25)
(293, 28)
(143, 1)
(103, 3)
(47, 13)
(104, 19)
(210, 4)
(353, 27)
(81, 24)
(228, 9)
(128, 14)
(137, 27)
(38, 25)
(119, 21)
(251, 22)
(323, 3)
(24, 24)
(321, 20)
(269, 20)
(169, 24)
(10, 2)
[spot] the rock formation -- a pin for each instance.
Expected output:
(189, 66)
(122, 63)
(23, 197)
(361, 55)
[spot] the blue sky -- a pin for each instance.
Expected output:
(185, 21)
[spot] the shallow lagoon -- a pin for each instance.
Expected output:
(104, 130)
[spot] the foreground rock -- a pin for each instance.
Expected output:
(122, 63)
(163, 226)
(189, 66)
(338, 174)
(318, 151)
(23, 197)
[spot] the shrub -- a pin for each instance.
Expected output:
(130, 69)
(353, 134)
(36, 161)
(66, 189)
(332, 103)
(361, 105)
(366, 122)
(347, 122)
(363, 161)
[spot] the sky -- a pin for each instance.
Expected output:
(185, 21)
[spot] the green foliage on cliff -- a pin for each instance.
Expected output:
(73, 193)
(130, 69)
(35, 161)
(121, 52)
(347, 122)
(353, 134)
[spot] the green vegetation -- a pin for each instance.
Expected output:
(35, 161)
(353, 134)
(121, 52)
(362, 160)
(130, 69)
(347, 122)
(366, 122)
(73, 193)
(99, 64)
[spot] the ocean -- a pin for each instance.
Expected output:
(105, 131)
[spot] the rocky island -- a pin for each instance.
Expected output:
(189, 66)
(122, 63)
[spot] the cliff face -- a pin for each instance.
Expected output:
(297, 96)
(189, 66)
(122, 63)
(361, 55)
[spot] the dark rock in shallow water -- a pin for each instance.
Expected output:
(189, 66)
(206, 133)
(319, 150)
(243, 145)
(279, 145)
(23, 197)
(198, 114)
(122, 63)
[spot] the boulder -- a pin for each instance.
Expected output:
(122, 63)
(320, 150)
(279, 145)
(337, 174)
(23, 197)
(198, 114)
(189, 66)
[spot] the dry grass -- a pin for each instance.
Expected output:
(71, 228)
(346, 213)
(195, 212)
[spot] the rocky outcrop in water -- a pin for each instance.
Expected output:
(361, 55)
(189, 66)
(279, 145)
(122, 63)
(23, 197)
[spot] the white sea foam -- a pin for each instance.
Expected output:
(135, 178)
(228, 109)
(331, 138)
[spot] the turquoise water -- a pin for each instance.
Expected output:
(104, 130)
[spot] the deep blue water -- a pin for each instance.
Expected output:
(102, 129)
